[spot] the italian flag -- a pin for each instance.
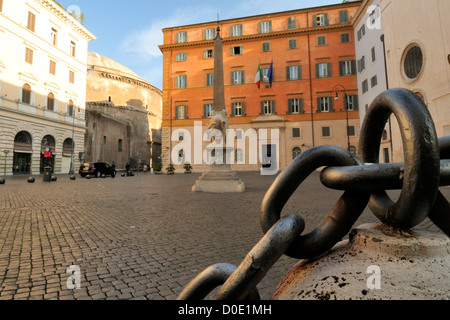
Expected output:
(258, 76)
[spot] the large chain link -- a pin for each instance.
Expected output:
(364, 183)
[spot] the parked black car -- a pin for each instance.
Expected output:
(96, 169)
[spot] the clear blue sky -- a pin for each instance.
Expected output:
(129, 32)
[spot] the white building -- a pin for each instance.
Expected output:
(43, 66)
(370, 59)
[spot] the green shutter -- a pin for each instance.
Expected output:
(353, 67)
(329, 68)
(177, 116)
(204, 110)
(300, 105)
(299, 72)
(185, 112)
(341, 68)
(326, 19)
(318, 105)
(262, 107)
(242, 77)
(317, 70)
(330, 102)
(233, 109)
(355, 102)
(289, 105)
(315, 20)
(273, 107)
(243, 108)
(288, 76)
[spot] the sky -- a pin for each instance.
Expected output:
(129, 32)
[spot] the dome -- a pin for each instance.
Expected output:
(97, 61)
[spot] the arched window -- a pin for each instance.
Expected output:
(26, 93)
(412, 62)
(296, 152)
(67, 146)
(70, 108)
(23, 137)
(51, 102)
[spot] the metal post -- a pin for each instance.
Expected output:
(73, 144)
(6, 154)
(336, 90)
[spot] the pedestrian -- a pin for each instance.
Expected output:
(113, 168)
(145, 167)
(127, 168)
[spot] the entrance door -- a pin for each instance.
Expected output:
(269, 157)
(22, 163)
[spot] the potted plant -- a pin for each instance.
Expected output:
(170, 169)
(157, 168)
(187, 168)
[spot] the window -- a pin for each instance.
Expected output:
(207, 110)
(412, 63)
(295, 105)
(265, 74)
(50, 101)
(181, 81)
(361, 32)
(347, 67)
(236, 30)
(351, 130)
(324, 104)
(293, 72)
(323, 70)
(181, 56)
(343, 16)
(237, 77)
(70, 108)
(31, 24)
(54, 36)
(268, 107)
(180, 112)
(237, 109)
(320, 19)
(326, 132)
(208, 53)
(321, 40)
(351, 102)
(181, 37)
(209, 79)
(345, 37)
(236, 50)
(208, 34)
(292, 44)
(28, 55)
(291, 23)
(265, 26)
(265, 47)
(52, 67)
(119, 145)
(26, 93)
(372, 51)
(181, 136)
(296, 152)
(373, 81)
(104, 139)
(72, 48)
(71, 76)
(362, 64)
(239, 156)
(295, 132)
(365, 86)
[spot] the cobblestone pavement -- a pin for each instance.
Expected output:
(141, 237)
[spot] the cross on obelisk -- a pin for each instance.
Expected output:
(219, 178)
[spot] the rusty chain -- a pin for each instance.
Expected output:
(364, 182)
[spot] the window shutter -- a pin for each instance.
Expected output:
(185, 111)
(273, 107)
(204, 110)
(353, 67)
(341, 68)
(318, 105)
(355, 102)
(243, 108)
(262, 107)
(329, 68)
(330, 103)
(326, 19)
(288, 74)
(233, 109)
(259, 27)
(290, 102)
(300, 103)
(317, 70)
(177, 114)
(270, 26)
(315, 20)
(242, 77)
(299, 68)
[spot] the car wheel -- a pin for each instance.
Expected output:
(98, 174)
(82, 175)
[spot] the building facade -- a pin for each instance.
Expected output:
(123, 115)
(371, 66)
(417, 42)
(43, 53)
(307, 96)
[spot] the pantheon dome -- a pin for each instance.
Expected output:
(123, 115)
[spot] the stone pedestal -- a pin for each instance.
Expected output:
(219, 178)
(377, 262)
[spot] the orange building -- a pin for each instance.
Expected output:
(311, 98)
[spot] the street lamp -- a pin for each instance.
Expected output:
(338, 88)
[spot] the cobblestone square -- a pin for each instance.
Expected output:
(141, 237)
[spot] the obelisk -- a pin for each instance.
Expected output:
(219, 178)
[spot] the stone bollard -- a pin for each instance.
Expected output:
(376, 262)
